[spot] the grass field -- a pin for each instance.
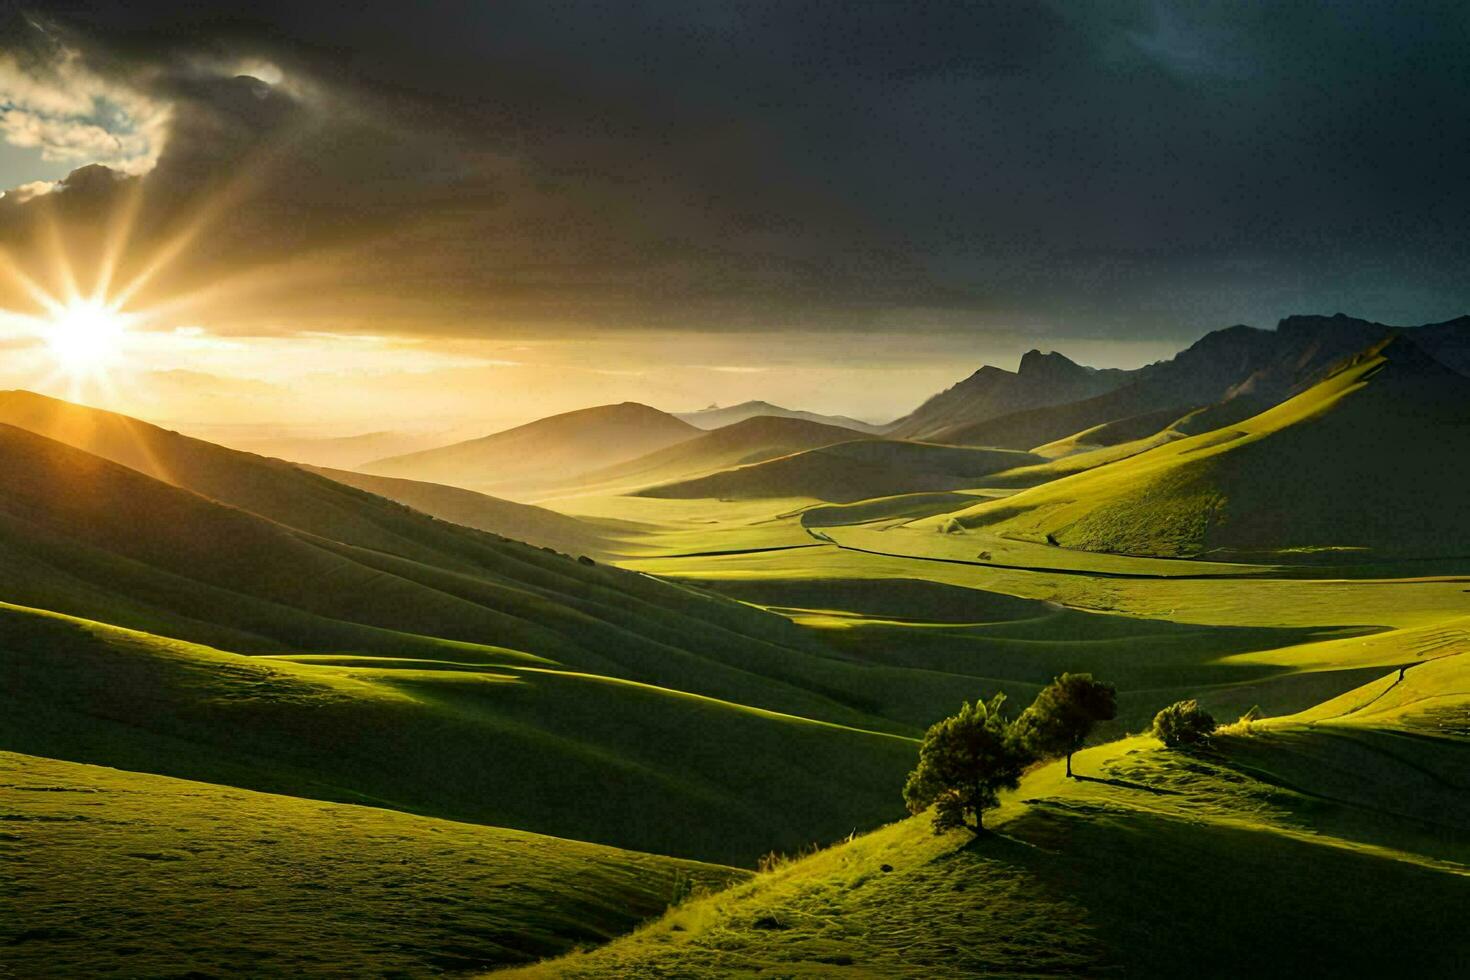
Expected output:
(495, 742)
(120, 873)
(1237, 860)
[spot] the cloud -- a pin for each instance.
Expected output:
(31, 189)
(1136, 169)
(52, 102)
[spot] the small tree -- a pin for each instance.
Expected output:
(1063, 715)
(1184, 723)
(964, 763)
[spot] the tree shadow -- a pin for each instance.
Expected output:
(1127, 784)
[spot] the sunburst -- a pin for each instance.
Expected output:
(87, 337)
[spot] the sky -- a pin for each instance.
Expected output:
(337, 218)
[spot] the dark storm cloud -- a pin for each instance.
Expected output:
(1107, 169)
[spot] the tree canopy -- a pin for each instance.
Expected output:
(964, 763)
(1064, 714)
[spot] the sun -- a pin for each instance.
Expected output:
(86, 336)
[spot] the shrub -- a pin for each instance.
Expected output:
(1184, 723)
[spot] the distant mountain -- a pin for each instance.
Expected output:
(1041, 379)
(544, 453)
(1251, 367)
(750, 441)
(851, 471)
(715, 417)
(1371, 462)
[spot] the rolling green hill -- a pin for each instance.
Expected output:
(139, 875)
(1370, 463)
(525, 460)
(501, 741)
(99, 540)
(851, 471)
(1248, 859)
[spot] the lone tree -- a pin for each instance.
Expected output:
(1184, 723)
(964, 762)
(1063, 715)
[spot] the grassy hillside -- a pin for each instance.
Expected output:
(1394, 426)
(547, 452)
(101, 541)
(742, 443)
(140, 875)
(501, 741)
(521, 522)
(1112, 433)
(851, 471)
(272, 488)
(1240, 860)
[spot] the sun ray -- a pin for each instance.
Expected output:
(219, 201)
(60, 258)
(38, 294)
(119, 232)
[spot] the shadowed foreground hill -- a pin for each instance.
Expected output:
(1373, 460)
(1327, 844)
(547, 452)
(851, 471)
(124, 873)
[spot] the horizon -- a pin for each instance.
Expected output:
(119, 396)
